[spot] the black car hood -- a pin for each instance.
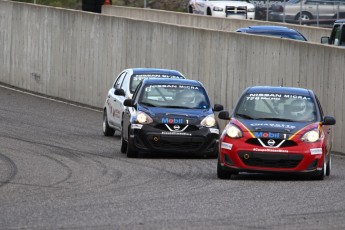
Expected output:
(176, 116)
(273, 126)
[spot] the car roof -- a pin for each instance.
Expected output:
(265, 28)
(340, 21)
(155, 71)
(278, 89)
(171, 81)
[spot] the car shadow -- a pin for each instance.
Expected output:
(271, 177)
(172, 155)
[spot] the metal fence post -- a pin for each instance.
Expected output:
(267, 7)
(317, 15)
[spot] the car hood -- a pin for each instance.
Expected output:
(258, 126)
(229, 3)
(176, 116)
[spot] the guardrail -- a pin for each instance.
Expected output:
(76, 55)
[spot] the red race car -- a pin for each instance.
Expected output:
(276, 130)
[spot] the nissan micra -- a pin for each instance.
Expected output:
(170, 115)
(123, 88)
(276, 130)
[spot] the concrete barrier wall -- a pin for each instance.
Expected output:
(76, 55)
(313, 34)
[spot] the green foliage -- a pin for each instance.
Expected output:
(57, 3)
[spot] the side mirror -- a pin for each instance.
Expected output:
(224, 115)
(120, 92)
(328, 120)
(128, 103)
(325, 40)
(218, 107)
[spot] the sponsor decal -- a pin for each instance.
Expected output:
(172, 120)
(140, 77)
(274, 96)
(176, 134)
(226, 146)
(213, 130)
(173, 87)
(136, 126)
(316, 151)
(267, 135)
(270, 150)
(286, 126)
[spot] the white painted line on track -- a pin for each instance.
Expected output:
(49, 98)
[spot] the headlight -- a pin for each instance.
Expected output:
(251, 9)
(208, 121)
(311, 136)
(143, 118)
(217, 8)
(233, 131)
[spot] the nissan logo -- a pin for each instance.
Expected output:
(176, 127)
(271, 142)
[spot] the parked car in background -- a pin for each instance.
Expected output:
(276, 130)
(337, 36)
(170, 115)
(123, 88)
(274, 31)
(223, 8)
(308, 10)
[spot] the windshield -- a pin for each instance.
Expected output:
(174, 96)
(137, 78)
(278, 107)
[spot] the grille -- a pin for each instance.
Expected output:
(192, 144)
(242, 10)
(255, 141)
(189, 128)
(272, 160)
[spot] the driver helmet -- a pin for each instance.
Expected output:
(298, 107)
(188, 96)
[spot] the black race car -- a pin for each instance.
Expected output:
(170, 115)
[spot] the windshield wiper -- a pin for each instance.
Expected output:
(147, 104)
(274, 119)
(244, 116)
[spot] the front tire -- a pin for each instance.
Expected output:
(131, 153)
(123, 143)
(305, 16)
(107, 130)
(321, 175)
(222, 173)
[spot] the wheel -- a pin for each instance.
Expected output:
(123, 143)
(131, 153)
(329, 166)
(321, 175)
(222, 173)
(304, 16)
(214, 154)
(107, 130)
(209, 12)
(190, 9)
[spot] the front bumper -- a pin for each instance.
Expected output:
(222, 14)
(150, 139)
(242, 157)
